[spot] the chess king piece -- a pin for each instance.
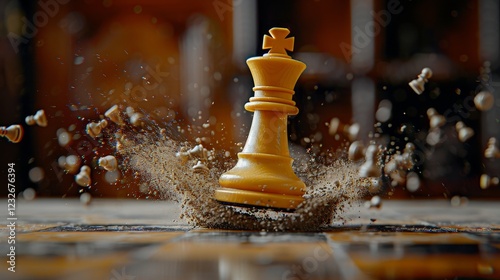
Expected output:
(263, 175)
(14, 133)
(418, 85)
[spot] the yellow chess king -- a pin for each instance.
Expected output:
(263, 175)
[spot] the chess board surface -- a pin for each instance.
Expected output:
(142, 239)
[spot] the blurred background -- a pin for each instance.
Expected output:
(182, 63)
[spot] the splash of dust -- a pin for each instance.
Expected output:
(330, 188)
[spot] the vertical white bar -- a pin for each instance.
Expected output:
(363, 32)
(244, 31)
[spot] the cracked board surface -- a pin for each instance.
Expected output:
(130, 239)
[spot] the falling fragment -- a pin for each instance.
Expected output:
(484, 100)
(38, 118)
(83, 178)
(14, 133)
(418, 85)
(108, 162)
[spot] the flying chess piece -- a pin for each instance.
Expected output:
(197, 152)
(418, 85)
(113, 114)
(83, 178)
(464, 132)
(370, 168)
(484, 100)
(435, 119)
(94, 128)
(14, 133)
(108, 162)
(263, 175)
(351, 131)
(492, 150)
(135, 118)
(485, 181)
(38, 118)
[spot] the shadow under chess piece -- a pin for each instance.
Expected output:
(263, 175)
(14, 133)
(418, 85)
(38, 118)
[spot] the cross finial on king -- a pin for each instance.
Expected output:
(278, 43)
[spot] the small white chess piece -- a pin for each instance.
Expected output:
(418, 85)
(435, 120)
(94, 128)
(370, 168)
(492, 150)
(38, 118)
(486, 181)
(83, 178)
(350, 131)
(108, 162)
(464, 132)
(135, 118)
(113, 114)
(14, 133)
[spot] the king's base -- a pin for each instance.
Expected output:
(259, 199)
